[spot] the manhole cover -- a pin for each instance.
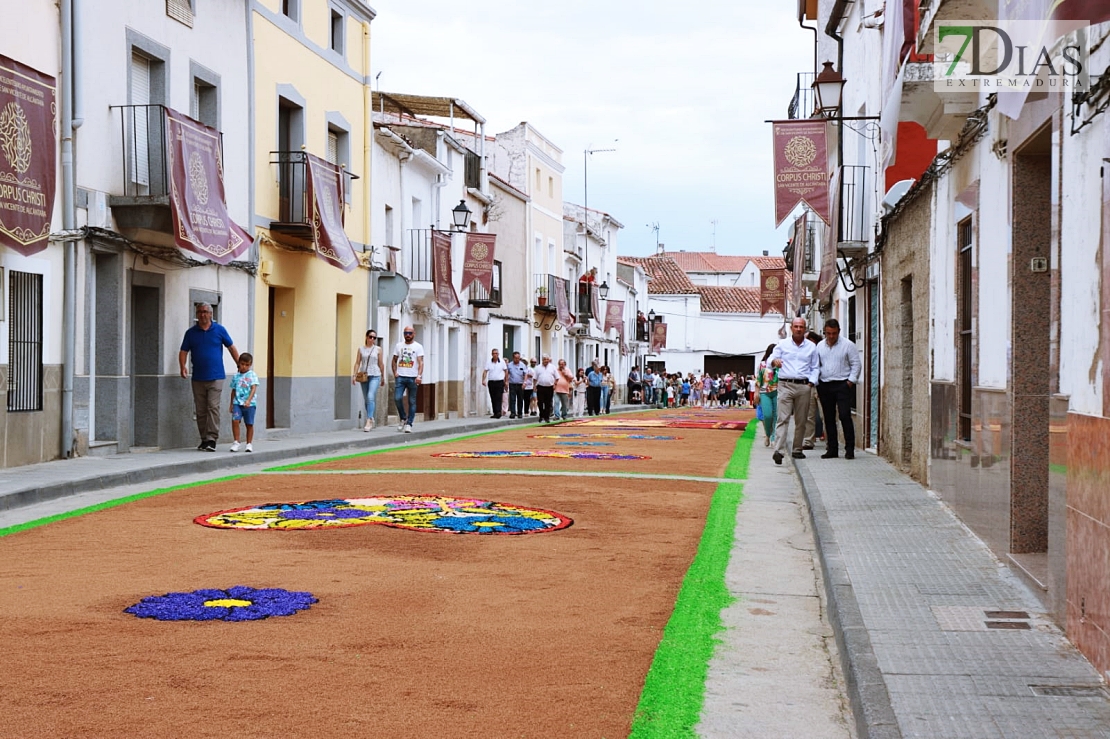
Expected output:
(1019, 625)
(1068, 691)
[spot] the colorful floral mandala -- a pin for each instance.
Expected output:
(239, 603)
(641, 437)
(583, 443)
(552, 453)
(416, 512)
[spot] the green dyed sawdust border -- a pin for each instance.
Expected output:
(674, 691)
(109, 504)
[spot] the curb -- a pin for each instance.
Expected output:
(867, 692)
(30, 494)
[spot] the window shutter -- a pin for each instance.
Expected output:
(140, 96)
(333, 147)
(180, 10)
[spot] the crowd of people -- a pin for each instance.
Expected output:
(694, 389)
(550, 391)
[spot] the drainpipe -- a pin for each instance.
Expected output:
(835, 17)
(255, 252)
(69, 223)
(802, 23)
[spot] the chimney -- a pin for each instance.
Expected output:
(765, 253)
(660, 248)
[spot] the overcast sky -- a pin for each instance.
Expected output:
(685, 87)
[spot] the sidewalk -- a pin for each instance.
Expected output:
(49, 481)
(914, 601)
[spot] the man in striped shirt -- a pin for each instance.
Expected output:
(840, 370)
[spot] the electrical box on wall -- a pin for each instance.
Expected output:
(1038, 264)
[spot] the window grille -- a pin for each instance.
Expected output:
(24, 342)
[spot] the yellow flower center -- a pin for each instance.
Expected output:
(226, 603)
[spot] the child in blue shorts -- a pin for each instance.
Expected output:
(243, 405)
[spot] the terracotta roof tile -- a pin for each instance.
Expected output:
(769, 262)
(729, 299)
(665, 277)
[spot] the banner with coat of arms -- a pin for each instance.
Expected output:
(772, 291)
(478, 260)
(614, 316)
(446, 297)
(658, 337)
(324, 191)
(801, 167)
(28, 156)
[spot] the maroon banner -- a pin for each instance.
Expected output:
(826, 281)
(28, 156)
(478, 260)
(446, 297)
(197, 204)
(324, 191)
(772, 291)
(801, 168)
(614, 315)
(801, 235)
(562, 310)
(1095, 11)
(658, 337)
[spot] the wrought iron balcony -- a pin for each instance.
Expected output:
(854, 226)
(416, 262)
(803, 102)
(480, 298)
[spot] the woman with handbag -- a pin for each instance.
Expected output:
(368, 370)
(767, 395)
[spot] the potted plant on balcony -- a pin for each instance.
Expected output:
(541, 295)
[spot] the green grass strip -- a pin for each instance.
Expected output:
(108, 504)
(383, 450)
(674, 691)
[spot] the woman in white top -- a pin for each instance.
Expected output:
(368, 370)
(580, 384)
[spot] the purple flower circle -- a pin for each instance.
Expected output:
(239, 603)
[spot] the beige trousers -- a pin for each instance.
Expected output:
(794, 402)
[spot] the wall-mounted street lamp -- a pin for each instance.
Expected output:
(603, 290)
(828, 88)
(460, 214)
(651, 316)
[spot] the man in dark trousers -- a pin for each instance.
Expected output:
(840, 370)
(206, 340)
(493, 377)
(518, 368)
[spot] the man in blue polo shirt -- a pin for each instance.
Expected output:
(594, 378)
(206, 340)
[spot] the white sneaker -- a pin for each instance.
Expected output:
(235, 446)
(408, 428)
(369, 425)
(401, 426)
(249, 448)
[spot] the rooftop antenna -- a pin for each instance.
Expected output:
(713, 246)
(655, 227)
(378, 82)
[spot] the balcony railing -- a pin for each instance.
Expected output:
(417, 262)
(292, 198)
(145, 168)
(544, 288)
(480, 298)
(642, 333)
(854, 226)
(585, 301)
(802, 104)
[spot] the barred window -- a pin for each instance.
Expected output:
(24, 342)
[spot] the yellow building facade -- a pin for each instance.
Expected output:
(311, 63)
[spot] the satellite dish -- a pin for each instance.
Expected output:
(896, 192)
(392, 288)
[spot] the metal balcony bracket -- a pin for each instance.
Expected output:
(847, 279)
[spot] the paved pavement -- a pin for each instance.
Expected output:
(911, 599)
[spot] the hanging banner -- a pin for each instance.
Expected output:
(801, 167)
(595, 308)
(28, 156)
(1092, 11)
(658, 337)
(772, 291)
(614, 315)
(826, 281)
(324, 190)
(197, 204)
(446, 297)
(562, 310)
(800, 236)
(478, 261)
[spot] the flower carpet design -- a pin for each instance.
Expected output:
(603, 435)
(550, 453)
(415, 512)
(584, 443)
(239, 603)
(660, 423)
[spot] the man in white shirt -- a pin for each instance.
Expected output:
(796, 360)
(493, 377)
(840, 370)
(546, 374)
(408, 370)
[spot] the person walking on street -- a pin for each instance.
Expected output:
(767, 395)
(244, 386)
(205, 341)
(840, 370)
(564, 381)
(493, 377)
(528, 388)
(796, 360)
(368, 370)
(517, 370)
(546, 376)
(408, 371)
(659, 391)
(594, 380)
(580, 393)
(814, 427)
